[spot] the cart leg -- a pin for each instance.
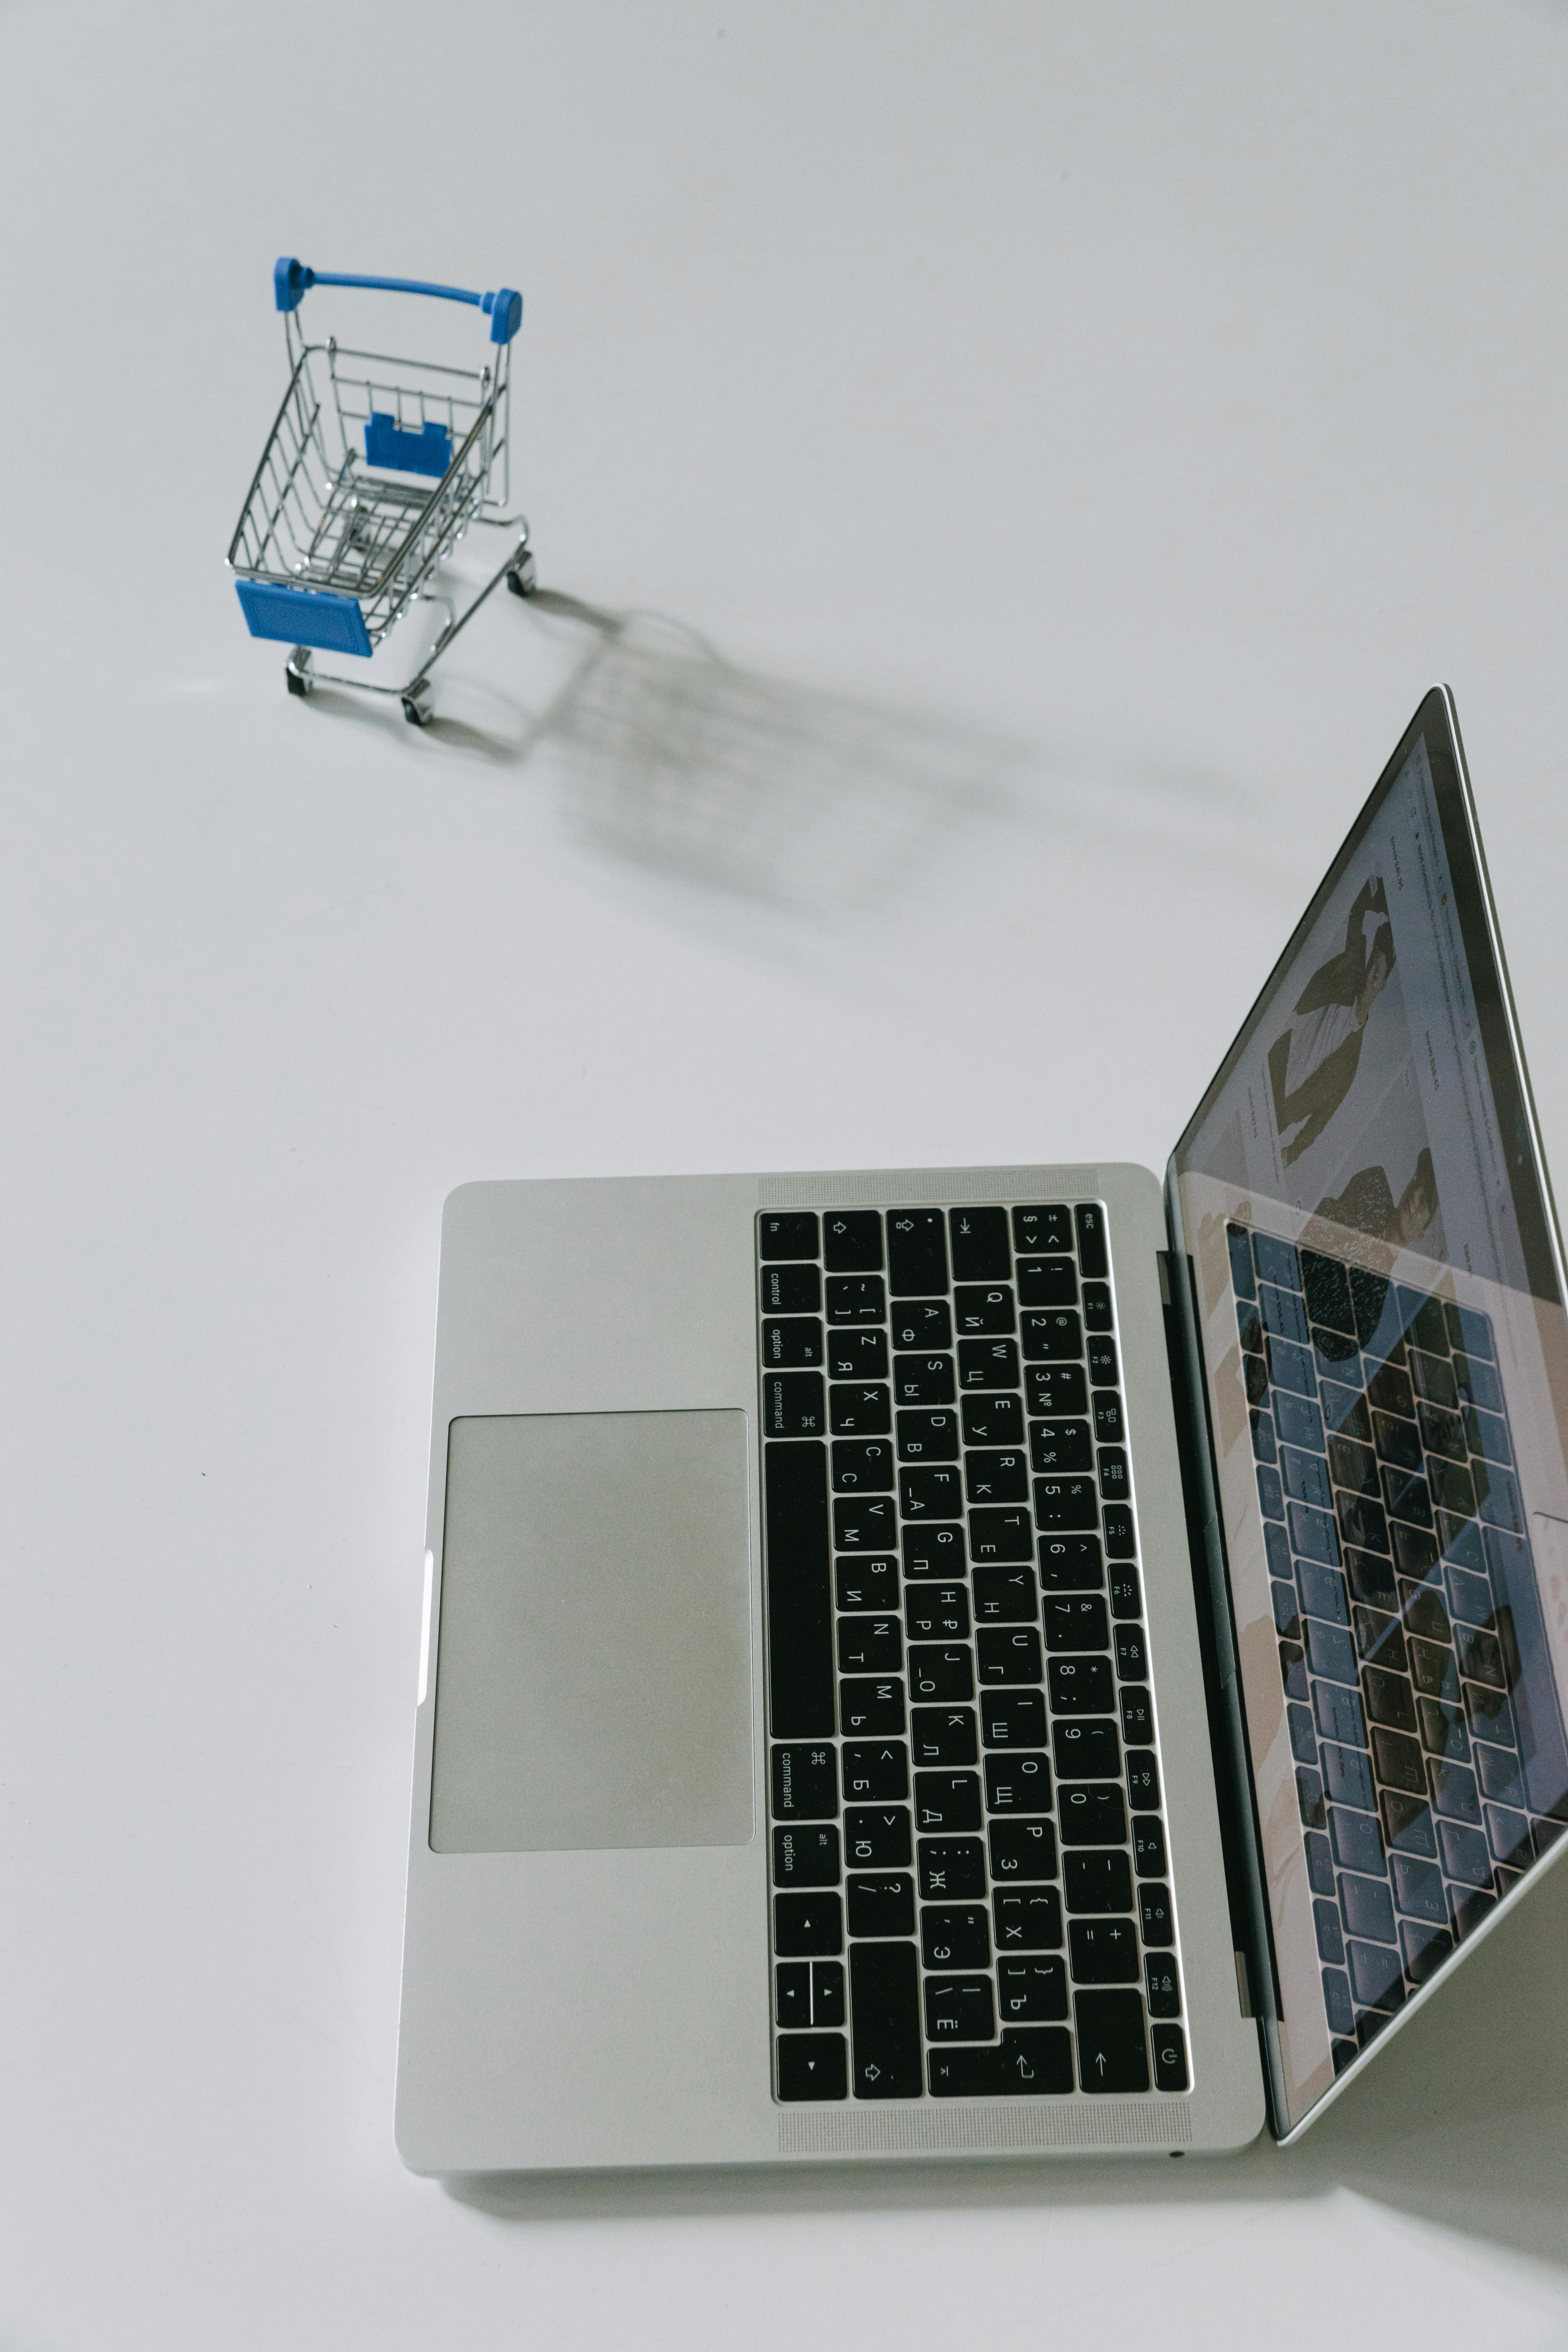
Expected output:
(521, 578)
(297, 671)
(416, 703)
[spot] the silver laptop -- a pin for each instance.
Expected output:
(1001, 1660)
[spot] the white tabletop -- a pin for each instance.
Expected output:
(1088, 430)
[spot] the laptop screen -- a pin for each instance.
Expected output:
(1377, 1284)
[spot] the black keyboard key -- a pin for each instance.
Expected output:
(1005, 1654)
(792, 1404)
(852, 1241)
(944, 1734)
(1013, 1718)
(1056, 1389)
(800, 1597)
(1102, 1365)
(871, 1706)
(931, 1491)
(1047, 1226)
(1098, 1313)
(792, 1290)
(941, 1670)
(936, 1612)
(1137, 1716)
(946, 1801)
(863, 1522)
(1163, 1985)
(1131, 1653)
(1087, 1751)
(955, 1936)
(951, 1868)
(1112, 2051)
(1017, 1784)
(928, 1436)
(876, 1771)
(1104, 1952)
(1027, 1919)
(1071, 1564)
(885, 2021)
(1115, 1479)
(1050, 1335)
(1170, 2058)
(997, 1475)
(1092, 1813)
(1065, 1506)
(993, 1420)
(805, 1924)
(933, 1550)
(967, 2070)
(806, 1855)
(1156, 1920)
(869, 1645)
(1149, 1845)
(1056, 1446)
(788, 1235)
(1046, 1282)
(1037, 2061)
(792, 1991)
(860, 1409)
(1021, 1851)
(987, 1364)
(828, 1993)
(959, 2009)
(1143, 1777)
(1081, 1686)
(1126, 1593)
(1092, 1255)
(856, 1355)
(1096, 1882)
(981, 1310)
(917, 1252)
(1000, 1535)
(793, 1344)
(862, 1465)
(1031, 1992)
(857, 1298)
(1005, 1596)
(924, 1380)
(922, 1324)
(1075, 1621)
(876, 1837)
(866, 1581)
(805, 1782)
(980, 1251)
(883, 1905)
(1109, 1426)
(813, 2066)
(1116, 1518)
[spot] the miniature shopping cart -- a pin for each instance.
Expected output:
(372, 474)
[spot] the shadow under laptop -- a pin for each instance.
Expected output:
(1462, 2123)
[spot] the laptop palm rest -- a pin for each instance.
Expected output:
(594, 1673)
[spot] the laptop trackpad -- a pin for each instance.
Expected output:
(593, 1678)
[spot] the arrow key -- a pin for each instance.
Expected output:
(813, 2066)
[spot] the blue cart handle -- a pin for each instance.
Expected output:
(291, 281)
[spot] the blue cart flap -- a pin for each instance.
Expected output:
(387, 443)
(304, 616)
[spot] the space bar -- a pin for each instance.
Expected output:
(800, 1590)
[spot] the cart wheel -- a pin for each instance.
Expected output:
(417, 710)
(297, 672)
(521, 578)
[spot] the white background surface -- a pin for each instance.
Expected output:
(1099, 424)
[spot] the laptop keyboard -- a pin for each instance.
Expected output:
(1394, 1520)
(970, 1887)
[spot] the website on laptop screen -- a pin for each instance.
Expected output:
(1382, 1324)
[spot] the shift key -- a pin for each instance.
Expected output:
(885, 2021)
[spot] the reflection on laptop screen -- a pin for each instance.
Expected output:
(1381, 1318)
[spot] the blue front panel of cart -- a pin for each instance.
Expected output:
(387, 443)
(304, 616)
